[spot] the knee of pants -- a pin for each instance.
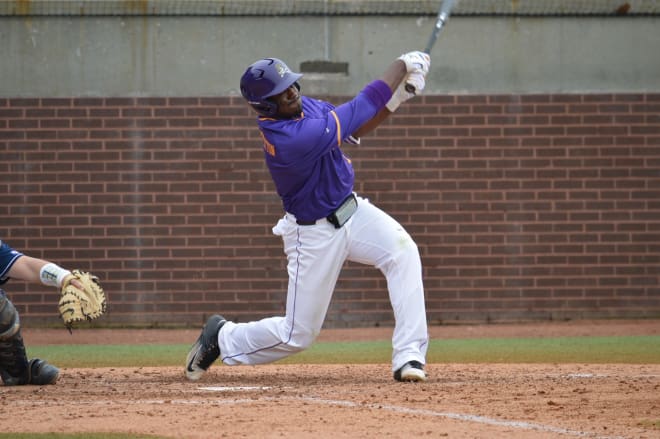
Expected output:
(404, 257)
(410, 250)
(301, 339)
(9, 321)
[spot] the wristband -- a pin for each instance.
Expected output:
(53, 275)
(394, 102)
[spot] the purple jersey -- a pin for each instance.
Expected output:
(7, 258)
(311, 173)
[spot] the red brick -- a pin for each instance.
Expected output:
(521, 205)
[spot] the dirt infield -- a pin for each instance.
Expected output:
(348, 401)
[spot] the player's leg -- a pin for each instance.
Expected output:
(15, 369)
(315, 255)
(379, 240)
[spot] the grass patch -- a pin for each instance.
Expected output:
(604, 350)
(649, 423)
(112, 355)
(630, 350)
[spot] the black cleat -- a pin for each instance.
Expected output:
(205, 350)
(411, 371)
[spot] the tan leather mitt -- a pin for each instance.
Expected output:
(78, 304)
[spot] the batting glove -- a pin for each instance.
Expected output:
(400, 95)
(416, 61)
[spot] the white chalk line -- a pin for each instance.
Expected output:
(462, 417)
(234, 388)
(599, 375)
(520, 425)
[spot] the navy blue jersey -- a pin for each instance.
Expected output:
(311, 173)
(7, 258)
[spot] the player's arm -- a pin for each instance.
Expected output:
(409, 67)
(35, 270)
(26, 268)
(393, 76)
(373, 123)
(82, 297)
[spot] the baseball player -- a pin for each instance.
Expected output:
(15, 369)
(325, 221)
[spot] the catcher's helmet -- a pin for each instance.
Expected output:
(265, 78)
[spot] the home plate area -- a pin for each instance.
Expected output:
(345, 401)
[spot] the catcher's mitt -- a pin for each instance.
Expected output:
(81, 304)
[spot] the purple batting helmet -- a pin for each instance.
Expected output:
(266, 78)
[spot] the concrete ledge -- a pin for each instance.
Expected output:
(323, 7)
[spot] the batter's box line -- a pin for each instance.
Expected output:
(457, 416)
(397, 409)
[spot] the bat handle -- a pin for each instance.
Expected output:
(439, 23)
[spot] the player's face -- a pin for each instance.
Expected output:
(289, 103)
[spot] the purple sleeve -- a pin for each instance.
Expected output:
(353, 114)
(378, 92)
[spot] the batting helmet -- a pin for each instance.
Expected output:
(266, 78)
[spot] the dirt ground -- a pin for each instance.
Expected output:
(347, 401)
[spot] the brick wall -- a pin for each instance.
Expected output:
(523, 206)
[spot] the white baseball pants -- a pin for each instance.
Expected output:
(315, 255)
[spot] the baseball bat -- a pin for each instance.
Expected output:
(443, 15)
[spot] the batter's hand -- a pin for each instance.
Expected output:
(416, 61)
(400, 95)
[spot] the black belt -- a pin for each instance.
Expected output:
(339, 217)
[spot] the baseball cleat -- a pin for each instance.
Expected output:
(205, 350)
(38, 373)
(411, 371)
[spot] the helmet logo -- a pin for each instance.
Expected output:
(281, 69)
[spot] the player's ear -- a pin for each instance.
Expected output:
(265, 108)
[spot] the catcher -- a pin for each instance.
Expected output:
(82, 299)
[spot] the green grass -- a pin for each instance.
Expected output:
(649, 423)
(629, 349)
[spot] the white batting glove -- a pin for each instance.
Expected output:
(400, 95)
(416, 61)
